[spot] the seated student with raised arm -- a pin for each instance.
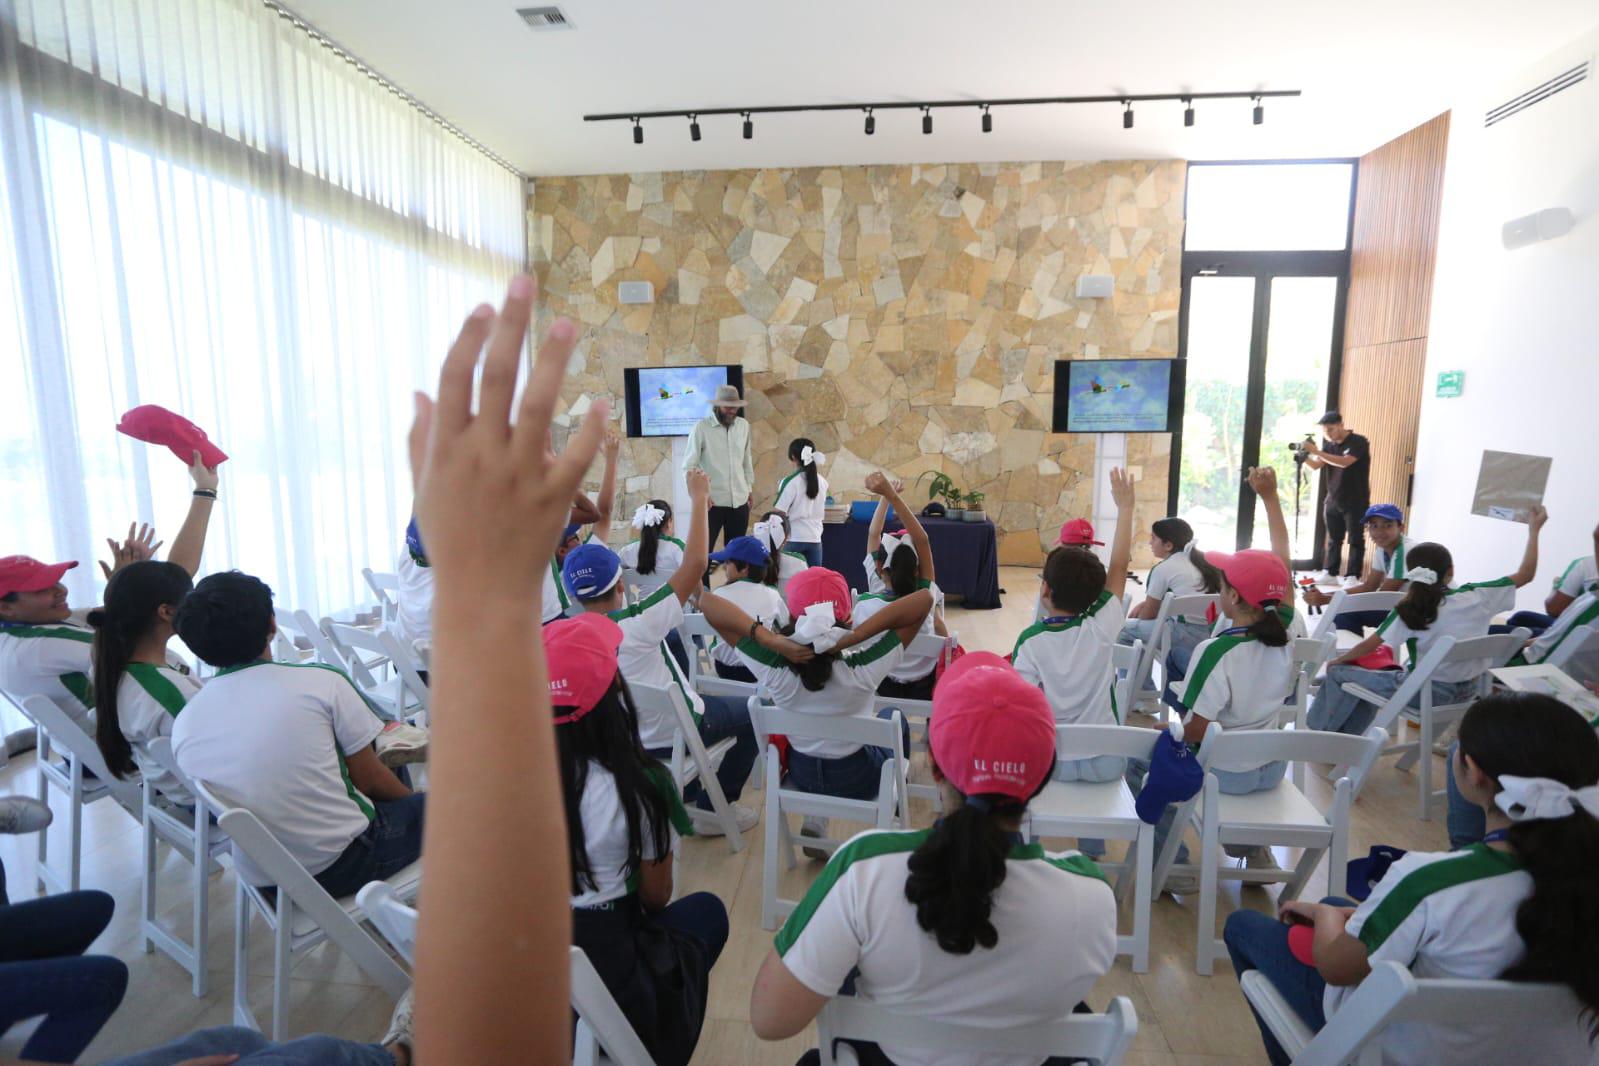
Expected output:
(1519, 905)
(293, 744)
(1241, 677)
(1580, 575)
(592, 574)
(1431, 608)
(557, 602)
(1384, 524)
(622, 815)
(772, 531)
(964, 922)
(903, 564)
(746, 564)
(1180, 569)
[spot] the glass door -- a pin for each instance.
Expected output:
(1220, 332)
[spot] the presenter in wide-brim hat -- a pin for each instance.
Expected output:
(719, 444)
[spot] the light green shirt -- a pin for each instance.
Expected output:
(724, 454)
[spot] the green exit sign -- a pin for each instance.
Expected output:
(1451, 383)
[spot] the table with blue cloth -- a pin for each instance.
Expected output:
(965, 556)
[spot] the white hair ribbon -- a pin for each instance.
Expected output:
(648, 516)
(1187, 549)
(1422, 575)
(1534, 799)
(891, 544)
(809, 455)
(770, 533)
(816, 627)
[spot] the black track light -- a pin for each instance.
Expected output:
(927, 120)
(693, 127)
(638, 132)
(988, 120)
(1127, 115)
(1260, 111)
(749, 127)
(1188, 111)
(871, 122)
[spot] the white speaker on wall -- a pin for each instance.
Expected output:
(1095, 287)
(635, 292)
(1543, 225)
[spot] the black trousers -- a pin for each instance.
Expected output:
(1344, 522)
(732, 521)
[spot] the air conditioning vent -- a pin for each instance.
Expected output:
(544, 18)
(1537, 94)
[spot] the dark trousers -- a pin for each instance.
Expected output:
(1356, 622)
(1259, 941)
(391, 842)
(731, 521)
(1535, 622)
(1344, 522)
(724, 717)
(44, 971)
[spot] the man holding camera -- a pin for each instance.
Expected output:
(1345, 456)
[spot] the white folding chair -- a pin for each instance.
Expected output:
(1309, 656)
(301, 639)
(386, 587)
(1391, 995)
(917, 713)
(603, 1033)
(391, 916)
(1578, 654)
(83, 779)
(697, 634)
(1171, 607)
(1102, 1039)
(691, 759)
(1346, 602)
(1282, 815)
(191, 835)
(301, 916)
(1124, 660)
(405, 695)
(1412, 701)
(780, 802)
(1104, 809)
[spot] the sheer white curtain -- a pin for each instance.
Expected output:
(205, 206)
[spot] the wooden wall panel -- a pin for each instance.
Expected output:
(1386, 414)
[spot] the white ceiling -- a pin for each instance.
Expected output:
(1370, 69)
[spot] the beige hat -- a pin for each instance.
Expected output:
(727, 396)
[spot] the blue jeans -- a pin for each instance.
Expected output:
(44, 971)
(254, 1048)
(1096, 768)
(1340, 712)
(724, 717)
(811, 551)
(1467, 822)
(392, 841)
(854, 776)
(1232, 783)
(1185, 637)
(1259, 941)
(1356, 622)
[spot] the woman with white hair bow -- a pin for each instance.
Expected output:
(1520, 904)
(1430, 608)
(772, 531)
(802, 499)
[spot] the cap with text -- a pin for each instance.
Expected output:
(817, 584)
(1078, 533)
(746, 550)
(1257, 576)
(590, 571)
(582, 657)
(991, 732)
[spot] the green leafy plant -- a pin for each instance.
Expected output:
(942, 487)
(974, 501)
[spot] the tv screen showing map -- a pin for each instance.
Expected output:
(1118, 395)
(666, 401)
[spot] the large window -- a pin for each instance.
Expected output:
(212, 211)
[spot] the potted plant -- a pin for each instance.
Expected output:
(943, 487)
(974, 507)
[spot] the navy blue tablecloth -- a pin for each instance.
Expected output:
(965, 556)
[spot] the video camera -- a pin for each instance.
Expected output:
(1301, 452)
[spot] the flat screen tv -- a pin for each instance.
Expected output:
(666, 401)
(1118, 395)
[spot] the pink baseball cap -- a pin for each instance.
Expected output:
(156, 425)
(1258, 576)
(582, 657)
(23, 573)
(818, 584)
(1079, 532)
(991, 732)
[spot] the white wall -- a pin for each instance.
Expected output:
(1523, 325)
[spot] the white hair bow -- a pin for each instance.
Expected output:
(770, 532)
(891, 544)
(809, 455)
(1533, 799)
(1187, 549)
(816, 627)
(648, 516)
(1422, 575)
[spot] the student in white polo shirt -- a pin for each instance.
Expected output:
(413, 615)
(903, 564)
(1582, 611)
(1519, 905)
(1580, 575)
(1180, 569)
(1384, 524)
(802, 499)
(557, 603)
(592, 574)
(652, 559)
(745, 563)
(1431, 608)
(964, 922)
(293, 744)
(772, 532)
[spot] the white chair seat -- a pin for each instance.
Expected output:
(1283, 806)
(1086, 801)
(406, 884)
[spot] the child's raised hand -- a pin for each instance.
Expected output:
(492, 495)
(1263, 479)
(1121, 487)
(699, 486)
(205, 477)
(613, 444)
(877, 484)
(1536, 518)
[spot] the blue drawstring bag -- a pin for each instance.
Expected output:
(1364, 873)
(1174, 776)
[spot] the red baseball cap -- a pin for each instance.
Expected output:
(818, 584)
(156, 425)
(991, 732)
(1079, 532)
(23, 573)
(582, 657)
(1258, 576)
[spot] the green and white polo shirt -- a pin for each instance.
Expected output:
(149, 698)
(805, 514)
(789, 564)
(644, 659)
(760, 601)
(605, 834)
(1237, 682)
(1465, 612)
(668, 559)
(53, 661)
(911, 667)
(852, 689)
(1580, 575)
(1070, 659)
(273, 738)
(1390, 563)
(1582, 611)
(1054, 914)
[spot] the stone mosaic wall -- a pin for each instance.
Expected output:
(903, 317)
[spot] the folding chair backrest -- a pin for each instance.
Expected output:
(597, 1010)
(1578, 654)
(1346, 602)
(1491, 651)
(387, 589)
(68, 736)
(1099, 1038)
(1246, 749)
(382, 645)
(1124, 659)
(1171, 606)
(391, 916)
(928, 644)
(160, 750)
(348, 643)
(1088, 741)
(770, 720)
(303, 631)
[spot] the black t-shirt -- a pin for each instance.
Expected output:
(1351, 484)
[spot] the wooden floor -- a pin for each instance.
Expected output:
(1182, 1018)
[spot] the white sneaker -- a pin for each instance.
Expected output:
(1261, 858)
(1350, 580)
(23, 814)
(814, 826)
(400, 1025)
(706, 824)
(399, 744)
(1181, 884)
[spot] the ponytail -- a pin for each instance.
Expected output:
(1269, 628)
(1533, 735)
(774, 545)
(1418, 608)
(649, 539)
(1209, 576)
(796, 449)
(957, 869)
(132, 600)
(815, 672)
(904, 571)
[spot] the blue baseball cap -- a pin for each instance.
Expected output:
(590, 571)
(1389, 511)
(570, 531)
(746, 550)
(413, 543)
